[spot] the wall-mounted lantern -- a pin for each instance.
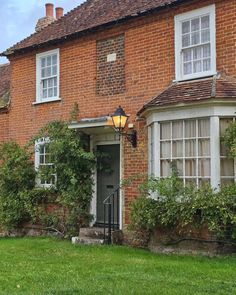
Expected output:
(119, 120)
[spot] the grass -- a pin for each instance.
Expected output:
(49, 266)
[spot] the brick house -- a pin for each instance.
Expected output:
(170, 64)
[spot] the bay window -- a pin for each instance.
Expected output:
(192, 145)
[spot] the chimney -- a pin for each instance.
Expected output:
(49, 9)
(48, 19)
(59, 12)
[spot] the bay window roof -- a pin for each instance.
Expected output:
(194, 91)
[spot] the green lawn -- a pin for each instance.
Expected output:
(48, 266)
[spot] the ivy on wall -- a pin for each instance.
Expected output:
(21, 201)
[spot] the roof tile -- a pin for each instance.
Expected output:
(89, 15)
(194, 91)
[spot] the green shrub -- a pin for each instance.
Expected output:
(166, 202)
(17, 176)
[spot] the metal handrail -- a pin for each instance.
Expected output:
(109, 212)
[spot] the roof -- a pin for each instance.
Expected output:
(194, 91)
(88, 16)
(4, 85)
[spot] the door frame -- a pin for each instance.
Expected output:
(93, 207)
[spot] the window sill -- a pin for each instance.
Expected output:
(47, 101)
(195, 77)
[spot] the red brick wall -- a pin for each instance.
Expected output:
(111, 74)
(4, 126)
(149, 68)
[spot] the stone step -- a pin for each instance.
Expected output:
(86, 241)
(92, 232)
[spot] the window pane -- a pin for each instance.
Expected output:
(177, 149)
(177, 129)
(49, 61)
(205, 22)
(43, 73)
(54, 70)
(166, 150)
(54, 59)
(190, 167)
(205, 36)
(165, 169)
(197, 66)
(190, 128)
(187, 55)
(206, 64)
(227, 167)
(195, 25)
(224, 124)
(204, 147)
(55, 91)
(43, 62)
(185, 27)
(165, 131)
(179, 166)
(45, 93)
(197, 53)
(45, 84)
(50, 82)
(207, 50)
(195, 38)
(204, 128)
(48, 72)
(41, 159)
(188, 68)
(204, 167)
(50, 92)
(190, 148)
(186, 40)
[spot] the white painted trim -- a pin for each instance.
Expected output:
(191, 112)
(178, 48)
(82, 125)
(46, 101)
(39, 99)
(93, 207)
(215, 151)
(157, 147)
(37, 161)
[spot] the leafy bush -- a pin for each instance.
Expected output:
(177, 206)
(17, 176)
(73, 165)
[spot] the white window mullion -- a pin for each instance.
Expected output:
(215, 151)
(197, 154)
(157, 149)
(184, 152)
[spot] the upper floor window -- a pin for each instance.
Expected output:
(195, 46)
(48, 76)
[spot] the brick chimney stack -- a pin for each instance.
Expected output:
(46, 20)
(59, 12)
(49, 9)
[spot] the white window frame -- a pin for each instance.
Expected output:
(208, 10)
(215, 113)
(39, 98)
(38, 143)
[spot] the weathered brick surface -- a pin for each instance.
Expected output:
(149, 69)
(111, 74)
